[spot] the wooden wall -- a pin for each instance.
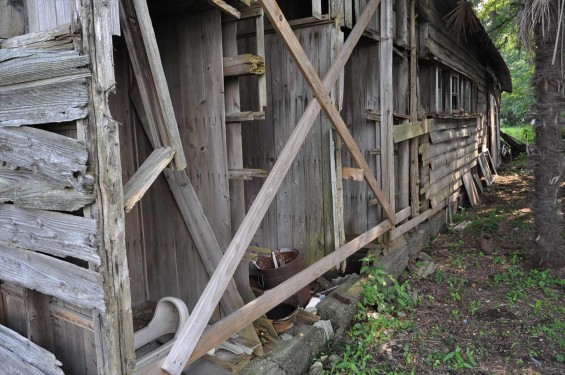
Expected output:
(301, 216)
(163, 257)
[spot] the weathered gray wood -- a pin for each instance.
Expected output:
(29, 190)
(410, 130)
(247, 174)
(244, 116)
(17, 66)
(49, 232)
(148, 68)
(14, 365)
(114, 329)
(43, 361)
(144, 177)
(12, 18)
(46, 14)
(386, 95)
(59, 100)
(189, 335)
(401, 229)
(243, 65)
(54, 156)
(56, 39)
(414, 103)
(52, 276)
(448, 135)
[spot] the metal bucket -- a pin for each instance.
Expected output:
(289, 265)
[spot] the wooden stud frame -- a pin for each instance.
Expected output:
(189, 336)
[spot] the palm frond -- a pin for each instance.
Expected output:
(462, 20)
(534, 13)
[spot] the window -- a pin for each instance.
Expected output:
(440, 102)
(455, 93)
(468, 96)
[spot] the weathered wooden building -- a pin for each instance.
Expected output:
(145, 144)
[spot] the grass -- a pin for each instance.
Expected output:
(524, 133)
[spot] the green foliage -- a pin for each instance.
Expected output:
(524, 133)
(500, 20)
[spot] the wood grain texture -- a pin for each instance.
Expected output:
(14, 365)
(226, 8)
(52, 276)
(18, 66)
(54, 156)
(190, 333)
(410, 130)
(245, 116)
(51, 101)
(42, 361)
(49, 232)
(12, 18)
(114, 328)
(46, 14)
(144, 177)
(58, 38)
(243, 65)
(30, 190)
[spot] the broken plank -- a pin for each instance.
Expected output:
(18, 66)
(410, 130)
(225, 8)
(49, 232)
(247, 174)
(144, 177)
(471, 189)
(52, 276)
(241, 65)
(56, 39)
(51, 101)
(245, 116)
(26, 189)
(29, 353)
(353, 174)
(59, 158)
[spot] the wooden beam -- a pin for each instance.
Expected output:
(52, 233)
(402, 229)
(387, 104)
(144, 177)
(410, 130)
(247, 174)
(61, 312)
(353, 174)
(222, 330)
(148, 68)
(242, 65)
(42, 361)
(225, 8)
(282, 27)
(244, 116)
(191, 332)
(113, 331)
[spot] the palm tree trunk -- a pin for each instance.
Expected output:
(549, 159)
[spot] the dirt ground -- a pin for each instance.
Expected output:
(480, 312)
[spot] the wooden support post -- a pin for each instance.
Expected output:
(260, 45)
(414, 142)
(149, 74)
(113, 329)
(226, 8)
(386, 89)
(191, 332)
(222, 330)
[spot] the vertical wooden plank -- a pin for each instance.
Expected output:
(386, 86)
(114, 328)
(12, 18)
(402, 22)
(260, 51)
(414, 143)
(401, 87)
(40, 323)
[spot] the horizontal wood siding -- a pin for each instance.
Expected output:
(49, 232)
(52, 276)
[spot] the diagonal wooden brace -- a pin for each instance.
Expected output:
(194, 327)
(321, 93)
